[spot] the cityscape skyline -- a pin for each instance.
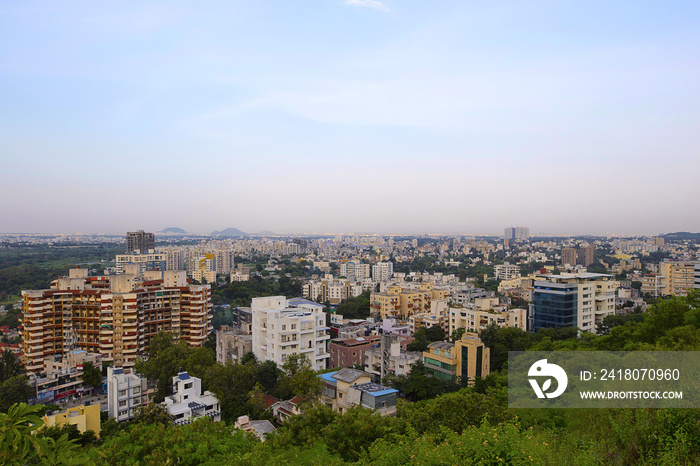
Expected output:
(454, 117)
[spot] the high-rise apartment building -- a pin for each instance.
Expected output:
(573, 300)
(140, 240)
(677, 277)
(584, 256)
(568, 256)
(516, 233)
(355, 270)
(116, 316)
(282, 327)
(382, 271)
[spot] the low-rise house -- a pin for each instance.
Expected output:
(284, 409)
(349, 387)
(351, 351)
(390, 357)
(259, 428)
(188, 403)
(83, 417)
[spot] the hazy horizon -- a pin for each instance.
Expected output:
(460, 117)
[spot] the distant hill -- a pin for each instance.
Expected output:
(174, 231)
(681, 235)
(229, 232)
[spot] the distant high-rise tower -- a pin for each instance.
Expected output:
(140, 240)
(586, 255)
(568, 256)
(517, 233)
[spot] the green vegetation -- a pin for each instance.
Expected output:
(92, 376)
(33, 267)
(355, 308)
(425, 336)
(242, 293)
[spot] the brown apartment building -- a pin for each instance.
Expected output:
(350, 351)
(116, 316)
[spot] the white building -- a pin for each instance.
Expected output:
(126, 392)
(187, 404)
(506, 271)
(354, 270)
(474, 319)
(149, 261)
(296, 326)
(382, 271)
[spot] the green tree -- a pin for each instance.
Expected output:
(18, 446)
(9, 366)
(202, 442)
(14, 390)
(457, 334)
(501, 340)
(165, 359)
(92, 376)
(153, 414)
(300, 379)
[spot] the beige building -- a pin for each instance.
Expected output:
(116, 316)
(676, 278)
(332, 290)
(652, 284)
(506, 271)
(347, 388)
(355, 270)
(83, 417)
(468, 357)
(232, 343)
(475, 320)
(405, 299)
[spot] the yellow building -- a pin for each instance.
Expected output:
(676, 278)
(452, 361)
(406, 299)
(84, 417)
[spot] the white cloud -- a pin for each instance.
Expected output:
(376, 4)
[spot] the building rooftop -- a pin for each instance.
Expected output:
(348, 375)
(295, 302)
(443, 345)
(374, 389)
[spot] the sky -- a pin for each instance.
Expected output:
(350, 116)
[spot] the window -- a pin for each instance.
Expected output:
(122, 413)
(137, 390)
(122, 392)
(185, 397)
(122, 404)
(188, 385)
